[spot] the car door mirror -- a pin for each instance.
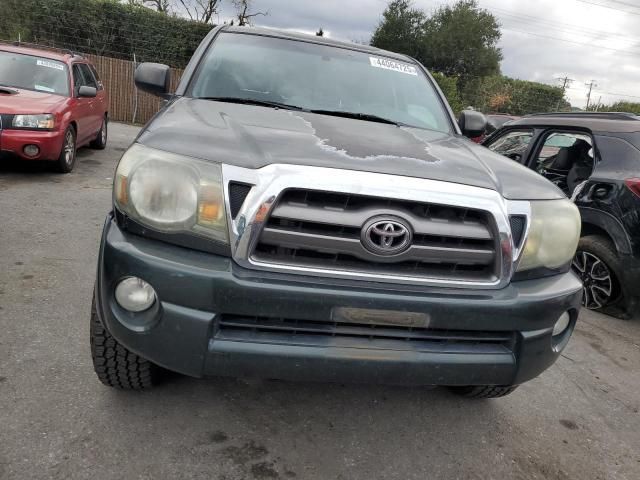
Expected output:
(87, 92)
(153, 78)
(472, 123)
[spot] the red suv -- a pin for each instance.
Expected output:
(51, 103)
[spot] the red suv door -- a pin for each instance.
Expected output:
(97, 106)
(83, 108)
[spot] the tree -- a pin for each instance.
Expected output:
(243, 12)
(110, 28)
(320, 33)
(201, 10)
(449, 87)
(159, 5)
(461, 40)
(630, 107)
(500, 94)
(401, 29)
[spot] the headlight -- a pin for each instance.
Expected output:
(171, 193)
(553, 235)
(45, 121)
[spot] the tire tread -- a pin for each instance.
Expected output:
(114, 364)
(484, 391)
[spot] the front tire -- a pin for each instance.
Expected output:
(115, 365)
(100, 143)
(67, 158)
(598, 265)
(483, 391)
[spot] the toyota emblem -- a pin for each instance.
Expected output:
(386, 236)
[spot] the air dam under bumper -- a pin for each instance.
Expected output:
(215, 318)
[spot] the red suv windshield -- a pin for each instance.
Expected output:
(33, 73)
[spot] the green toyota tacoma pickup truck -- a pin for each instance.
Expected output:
(303, 208)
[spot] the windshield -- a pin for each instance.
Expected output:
(33, 73)
(319, 77)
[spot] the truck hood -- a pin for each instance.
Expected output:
(28, 101)
(253, 137)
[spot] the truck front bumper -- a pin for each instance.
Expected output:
(214, 318)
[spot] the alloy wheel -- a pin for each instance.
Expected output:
(596, 279)
(69, 148)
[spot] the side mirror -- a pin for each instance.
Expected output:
(153, 78)
(87, 92)
(472, 123)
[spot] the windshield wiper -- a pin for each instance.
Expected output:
(252, 101)
(337, 113)
(360, 116)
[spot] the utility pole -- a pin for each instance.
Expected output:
(591, 84)
(598, 104)
(565, 82)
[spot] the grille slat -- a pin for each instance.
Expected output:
(357, 217)
(314, 332)
(353, 246)
(361, 330)
(318, 230)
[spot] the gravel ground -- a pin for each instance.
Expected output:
(579, 420)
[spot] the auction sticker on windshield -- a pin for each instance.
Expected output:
(44, 63)
(393, 65)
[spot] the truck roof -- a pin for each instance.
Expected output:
(305, 37)
(615, 122)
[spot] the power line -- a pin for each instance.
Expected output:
(620, 95)
(627, 4)
(627, 52)
(608, 6)
(578, 29)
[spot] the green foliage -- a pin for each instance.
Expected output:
(459, 43)
(103, 27)
(401, 29)
(502, 94)
(623, 106)
(449, 86)
(461, 40)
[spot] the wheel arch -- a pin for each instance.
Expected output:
(597, 222)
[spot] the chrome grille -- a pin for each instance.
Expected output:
(316, 229)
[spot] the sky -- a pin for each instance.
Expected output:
(541, 39)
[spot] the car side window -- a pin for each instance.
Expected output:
(566, 159)
(78, 78)
(96, 76)
(513, 144)
(90, 81)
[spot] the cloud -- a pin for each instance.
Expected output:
(541, 40)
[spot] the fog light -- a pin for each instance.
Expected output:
(562, 324)
(31, 150)
(135, 295)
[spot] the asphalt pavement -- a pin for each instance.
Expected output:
(579, 420)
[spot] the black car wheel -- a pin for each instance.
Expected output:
(597, 264)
